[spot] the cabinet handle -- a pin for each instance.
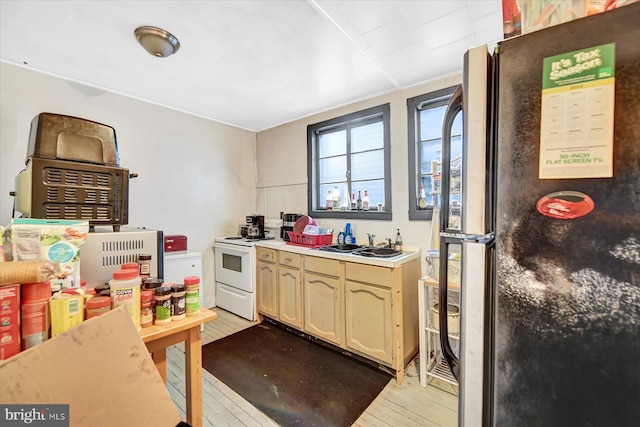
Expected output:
(287, 260)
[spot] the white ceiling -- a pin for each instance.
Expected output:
(251, 64)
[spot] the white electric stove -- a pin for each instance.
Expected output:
(235, 268)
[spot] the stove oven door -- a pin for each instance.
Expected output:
(234, 266)
(235, 279)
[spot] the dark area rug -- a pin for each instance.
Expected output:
(293, 380)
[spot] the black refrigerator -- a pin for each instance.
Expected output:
(549, 227)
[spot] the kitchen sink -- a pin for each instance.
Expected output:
(340, 248)
(376, 252)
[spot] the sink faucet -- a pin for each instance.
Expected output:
(371, 237)
(388, 239)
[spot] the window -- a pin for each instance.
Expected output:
(350, 153)
(425, 115)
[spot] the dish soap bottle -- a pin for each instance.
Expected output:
(347, 234)
(341, 237)
(398, 240)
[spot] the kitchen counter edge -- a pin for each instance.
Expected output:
(280, 245)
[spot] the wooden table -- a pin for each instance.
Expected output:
(158, 338)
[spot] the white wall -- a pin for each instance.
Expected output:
(282, 169)
(196, 177)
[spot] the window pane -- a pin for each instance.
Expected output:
(431, 122)
(375, 189)
(456, 128)
(428, 188)
(367, 165)
(431, 150)
(332, 143)
(359, 142)
(456, 150)
(367, 137)
(333, 169)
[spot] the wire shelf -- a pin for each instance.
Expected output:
(441, 370)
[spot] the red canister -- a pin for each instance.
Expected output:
(35, 313)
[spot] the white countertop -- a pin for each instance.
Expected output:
(408, 254)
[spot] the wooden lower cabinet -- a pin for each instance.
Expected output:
(369, 320)
(267, 288)
(323, 307)
(290, 296)
(369, 310)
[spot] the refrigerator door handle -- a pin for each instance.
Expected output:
(443, 321)
(453, 108)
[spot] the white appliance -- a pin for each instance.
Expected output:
(181, 264)
(105, 251)
(235, 268)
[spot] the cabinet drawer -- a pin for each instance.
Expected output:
(265, 254)
(289, 259)
(330, 267)
(380, 276)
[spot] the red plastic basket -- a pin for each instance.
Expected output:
(309, 240)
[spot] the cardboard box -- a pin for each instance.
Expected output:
(100, 368)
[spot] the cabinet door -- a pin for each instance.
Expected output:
(267, 289)
(369, 320)
(290, 296)
(322, 307)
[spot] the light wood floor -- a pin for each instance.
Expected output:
(407, 404)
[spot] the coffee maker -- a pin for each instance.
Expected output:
(287, 225)
(255, 226)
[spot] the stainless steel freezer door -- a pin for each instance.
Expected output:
(472, 323)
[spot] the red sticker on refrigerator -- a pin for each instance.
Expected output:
(565, 205)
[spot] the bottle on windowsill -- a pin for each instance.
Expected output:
(336, 199)
(346, 202)
(365, 201)
(422, 199)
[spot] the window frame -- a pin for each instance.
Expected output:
(435, 99)
(346, 122)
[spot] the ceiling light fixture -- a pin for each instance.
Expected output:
(157, 41)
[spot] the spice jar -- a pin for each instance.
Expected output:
(163, 306)
(146, 309)
(144, 265)
(177, 302)
(97, 306)
(151, 284)
(192, 295)
(125, 290)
